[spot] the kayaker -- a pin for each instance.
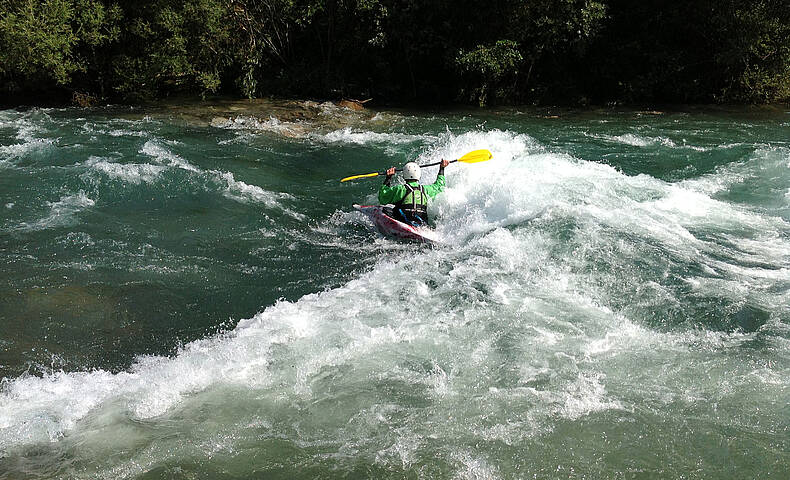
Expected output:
(410, 200)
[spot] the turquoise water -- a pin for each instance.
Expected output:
(186, 292)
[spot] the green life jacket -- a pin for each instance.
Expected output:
(413, 207)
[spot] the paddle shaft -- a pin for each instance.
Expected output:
(423, 166)
(436, 163)
(471, 157)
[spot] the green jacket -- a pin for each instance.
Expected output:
(395, 193)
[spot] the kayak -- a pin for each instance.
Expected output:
(390, 227)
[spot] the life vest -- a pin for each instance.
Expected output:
(413, 207)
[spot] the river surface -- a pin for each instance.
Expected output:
(186, 293)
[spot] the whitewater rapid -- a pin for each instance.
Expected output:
(568, 293)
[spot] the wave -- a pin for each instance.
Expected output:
(93, 128)
(159, 153)
(319, 332)
(231, 188)
(61, 213)
(20, 150)
(243, 192)
(31, 132)
(363, 137)
(272, 125)
(636, 140)
(760, 180)
(134, 173)
(532, 317)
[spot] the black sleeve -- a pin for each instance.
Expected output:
(388, 180)
(441, 171)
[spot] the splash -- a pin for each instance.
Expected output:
(134, 173)
(231, 188)
(30, 127)
(272, 125)
(62, 213)
(573, 303)
(363, 137)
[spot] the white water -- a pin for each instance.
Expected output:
(515, 327)
(62, 212)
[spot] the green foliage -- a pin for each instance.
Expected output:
(177, 46)
(95, 23)
(758, 49)
(535, 28)
(551, 23)
(37, 40)
(491, 62)
(477, 51)
(696, 51)
(487, 67)
(45, 43)
(265, 31)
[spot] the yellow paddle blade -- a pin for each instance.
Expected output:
(360, 176)
(476, 156)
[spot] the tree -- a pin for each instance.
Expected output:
(487, 68)
(755, 53)
(44, 42)
(169, 47)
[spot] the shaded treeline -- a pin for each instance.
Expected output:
(399, 51)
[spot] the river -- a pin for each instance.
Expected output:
(186, 292)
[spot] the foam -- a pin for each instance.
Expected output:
(769, 164)
(63, 212)
(93, 128)
(473, 467)
(491, 339)
(243, 192)
(29, 130)
(272, 125)
(362, 137)
(162, 155)
(636, 140)
(481, 198)
(134, 173)
(20, 150)
(585, 396)
(155, 384)
(231, 188)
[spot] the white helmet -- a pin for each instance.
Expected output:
(411, 171)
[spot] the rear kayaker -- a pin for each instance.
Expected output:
(410, 199)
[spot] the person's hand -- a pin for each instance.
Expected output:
(391, 171)
(445, 163)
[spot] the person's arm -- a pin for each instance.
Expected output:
(437, 187)
(390, 174)
(390, 193)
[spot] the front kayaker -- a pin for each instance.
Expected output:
(410, 200)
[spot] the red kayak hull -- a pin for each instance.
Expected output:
(390, 227)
